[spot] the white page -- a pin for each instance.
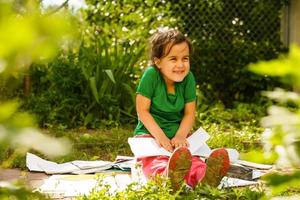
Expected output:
(75, 185)
(233, 155)
(142, 147)
(118, 158)
(228, 182)
(203, 151)
(254, 165)
(68, 185)
(257, 174)
(58, 168)
(33, 163)
(91, 164)
(92, 170)
(197, 139)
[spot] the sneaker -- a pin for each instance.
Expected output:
(178, 166)
(217, 167)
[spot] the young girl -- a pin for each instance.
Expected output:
(165, 105)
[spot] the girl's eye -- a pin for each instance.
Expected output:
(186, 59)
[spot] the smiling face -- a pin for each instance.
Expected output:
(175, 65)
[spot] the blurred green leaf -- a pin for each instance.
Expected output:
(7, 109)
(282, 182)
(286, 65)
(30, 36)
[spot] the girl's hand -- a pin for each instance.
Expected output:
(179, 141)
(165, 142)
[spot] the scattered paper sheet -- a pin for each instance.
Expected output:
(59, 186)
(228, 182)
(257, 174)
(254, 165)
(90, 164)
(35, 163)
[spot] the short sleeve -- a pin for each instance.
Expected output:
(190, 88)
(147, 83)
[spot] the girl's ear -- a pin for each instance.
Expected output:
(156, 62)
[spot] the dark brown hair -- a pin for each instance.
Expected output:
(162, 42)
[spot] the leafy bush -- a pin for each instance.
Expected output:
(237, 127)
(58, 94)
(94, 84)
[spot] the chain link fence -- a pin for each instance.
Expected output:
(227, 35)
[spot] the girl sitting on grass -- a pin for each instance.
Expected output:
(165, 104)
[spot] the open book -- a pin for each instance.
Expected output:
(142, 147)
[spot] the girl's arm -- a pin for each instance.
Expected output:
(186, 125)
(143, 112)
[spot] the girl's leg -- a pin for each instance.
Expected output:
(196, 173)
(154, 165)
(175, 167)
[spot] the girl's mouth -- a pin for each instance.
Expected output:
(178, 72)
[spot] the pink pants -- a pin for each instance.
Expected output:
(157, 165)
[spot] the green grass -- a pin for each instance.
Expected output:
(87, 144)
(100, 144)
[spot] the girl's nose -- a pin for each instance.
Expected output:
(180, 64)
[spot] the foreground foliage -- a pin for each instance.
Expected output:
(26, 37)
(161, 190)
(282, 139)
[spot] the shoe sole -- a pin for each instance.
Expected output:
(217, 166)
(178, 166)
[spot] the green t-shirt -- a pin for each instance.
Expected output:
(167, 109)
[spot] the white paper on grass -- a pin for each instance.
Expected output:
(35, 163)
(91, 164)
(142, 147)
(257, 174)
(64, 186)
(254, 165)
(228, 182)
(59, 186)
